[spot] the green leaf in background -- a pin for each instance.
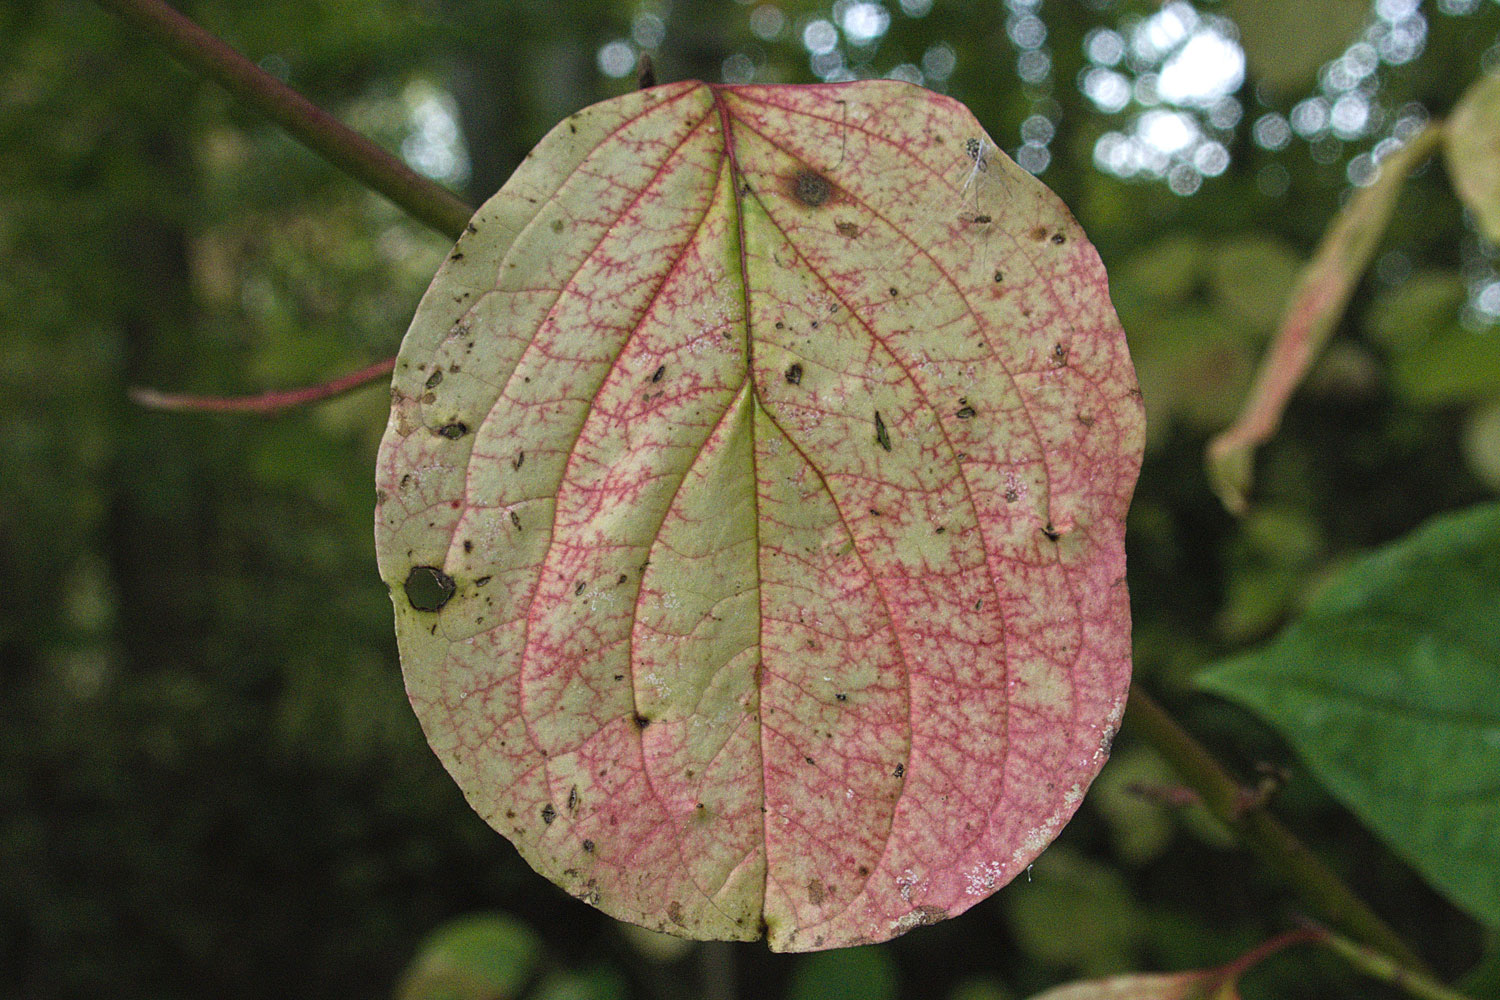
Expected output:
(1287, 41)
(1458, 366)
(1389, 687)
(1472, 148)
(847, 974)
(484, 956)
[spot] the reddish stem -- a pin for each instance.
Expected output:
(266, 402)
(1232, 971)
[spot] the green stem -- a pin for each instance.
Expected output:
(340, 145)
(1276, 846)
(1378, 966)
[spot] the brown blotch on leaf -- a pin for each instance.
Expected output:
(674, 913)
(515, 520)
(847, 229)
(924, 915)
(794, 374)
(811, 188)
(1038, 233)
(815, 891)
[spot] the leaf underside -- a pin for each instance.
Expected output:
(759, 459)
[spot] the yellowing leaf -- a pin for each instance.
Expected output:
(1472, 148)
(752, 504)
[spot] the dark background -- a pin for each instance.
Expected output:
(210, 781)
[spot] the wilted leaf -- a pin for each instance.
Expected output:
(1315, 309)
(1472, 145)
(1202, 984)
(1287, 41)
(1388, 688)
(768, 450)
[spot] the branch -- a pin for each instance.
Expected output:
(1384, 968)
(340, 145)
(1276, 846)
(266, 402)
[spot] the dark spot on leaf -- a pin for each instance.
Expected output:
(519, 461)
(622, 578)
(814, 324)
(900, 770)
(456, 255)
(794, 374)
(482, 581)
(881, 435)
(939, 530)
(557, 225)
(1059, 239)
(578, 589)
(1086, 420)
(588, 845)
(434, 379)
(1011, 496)
(841, 696)
(641, 722)
(999, 277)
(659, 373)
(572, 798)
(548, 813)
(780, 325)
(981, 220)
(847, 229)
(619, 677)
(468, 545)
(472, 228)
(894, 293)
(1060, 354)
(515, 520)
(454, 431)
(966, 413)
(810, 760)
(1051, 532)
(864, 871)
(428, 588)
(811, 188)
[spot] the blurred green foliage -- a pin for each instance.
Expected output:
(211, 782)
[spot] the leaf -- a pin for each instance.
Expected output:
(1200, 984)
(1388, 688)
(850, 974)
(1316, 306)
(485, 956)
(1287, 41)
(776, 442)
(1472, 148)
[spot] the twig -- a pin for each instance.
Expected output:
(340, 145)
(1276, 846)
(1378, 966)
(266, 402)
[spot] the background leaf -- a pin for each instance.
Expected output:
(1389, 687)
(1472, 144)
